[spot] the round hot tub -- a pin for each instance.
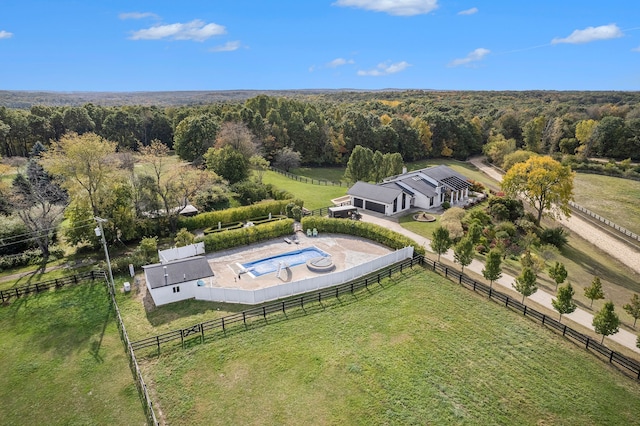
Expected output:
(321, 264)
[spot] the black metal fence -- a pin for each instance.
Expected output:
(322, 182)
(626, 364)
(261, 315)
(6, 295)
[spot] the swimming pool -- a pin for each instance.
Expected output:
(271, 264)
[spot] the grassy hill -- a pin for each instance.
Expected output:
(423, 351)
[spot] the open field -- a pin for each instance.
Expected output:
(63, 361)
(314, 196)
(334, 174)
(611, 197)
(422, 351)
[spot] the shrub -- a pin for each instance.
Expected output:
(446, 205)
(237, 214)
(555, 236)
(249, 235)
(369, 231)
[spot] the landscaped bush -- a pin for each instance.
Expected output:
(249, 235)
(369, 231)
(237, 214)
(555, 236)
(29, 257)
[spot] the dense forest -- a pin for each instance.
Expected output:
(324, 127)
(91, 160)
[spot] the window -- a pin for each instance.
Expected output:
(395, 205)
(176, 289)
(404, 201)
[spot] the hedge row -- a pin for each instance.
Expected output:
(236, 214)
(29, 257)
(253, 234)
(369, 231)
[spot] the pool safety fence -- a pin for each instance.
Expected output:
(255, 297)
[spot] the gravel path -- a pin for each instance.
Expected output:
(593, 234)
(581, 227)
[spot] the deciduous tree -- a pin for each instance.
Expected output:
(228, 163)
(606, 321)
(440, 241)
(594, 291)
(359, 164)
(493, 266)
(544, 183)
(558, 273)
(564, 303)
(633, 308)
(84, 165)
(463, 252)
(195, 135)
(526, 283)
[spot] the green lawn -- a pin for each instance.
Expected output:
(613, 198)
(334, 174)
(423, 351)
(314, 196)
(63, 361)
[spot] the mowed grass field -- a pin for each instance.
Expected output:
(421, 351)
(314, 196)
(63, 362)
(613, 198)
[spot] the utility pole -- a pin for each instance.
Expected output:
(99, 230)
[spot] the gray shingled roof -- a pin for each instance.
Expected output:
(374, 192)
(178, 271)
(441, 172)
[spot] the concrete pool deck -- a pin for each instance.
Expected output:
(346, 252)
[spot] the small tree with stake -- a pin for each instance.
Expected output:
(558, 273)
(633, 308)
(564, 303)
(594, 291)
(526, 283)
(492, 270)
(606, 321)
(441, 241)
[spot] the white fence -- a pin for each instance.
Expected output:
(176, 253)
(254, 297)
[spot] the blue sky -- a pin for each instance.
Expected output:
(93, 45)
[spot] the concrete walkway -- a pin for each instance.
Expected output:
(580, 316)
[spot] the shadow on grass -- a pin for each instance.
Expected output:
(63, 321)
(165, 314)
(312, 306)
(604, 271)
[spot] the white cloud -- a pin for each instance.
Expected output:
(474, 56)
(338, 62)
(5, 34)
(471, 11)
(196, 30)
(385, 69)
(392, 7)
(138, 15)
(229, 46)
(589, 34)
(636, 49)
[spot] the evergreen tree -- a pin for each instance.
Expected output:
(633, 308)
(564, 303)
(606, 321)
(492, 269)
(525, 283)
(440, 241)
(594, 291)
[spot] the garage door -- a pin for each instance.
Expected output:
(376, 207)
(357, 202)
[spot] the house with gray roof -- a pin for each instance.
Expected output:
(425, 188)
(177, 280)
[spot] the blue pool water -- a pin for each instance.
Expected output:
(271, 264)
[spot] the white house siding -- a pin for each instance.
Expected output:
(169, 294)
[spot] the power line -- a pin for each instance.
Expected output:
(31, 236)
